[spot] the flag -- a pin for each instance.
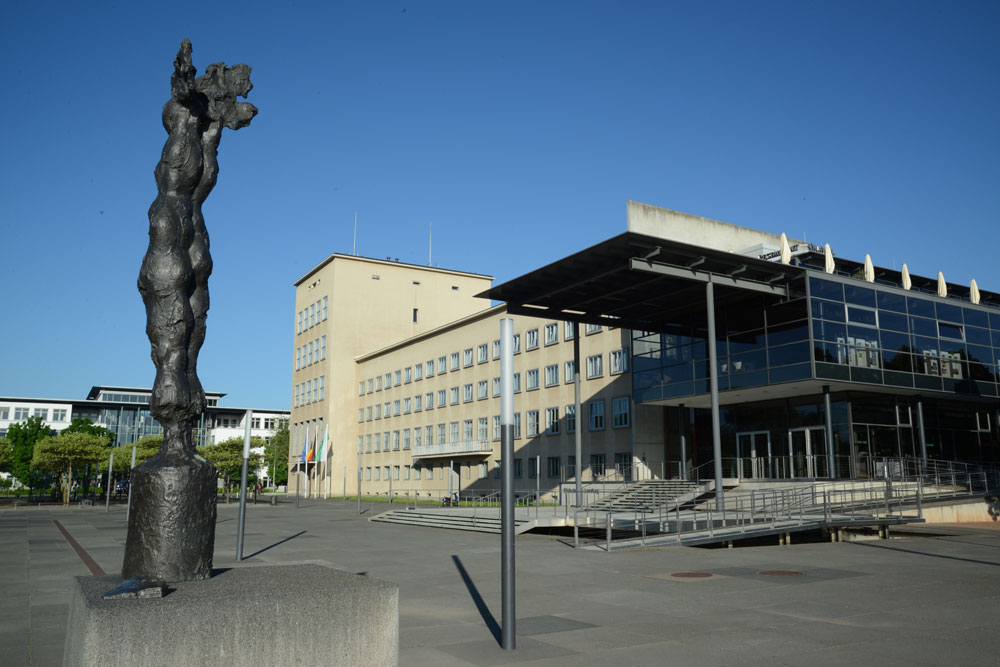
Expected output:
(311, 456)
(324, 447)
(305, 444)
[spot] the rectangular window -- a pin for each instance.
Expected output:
(442, 365)
(378, 383)
(532, 418)
(482, 390)
(454, 361)
(429, 369)
(416, 471)
(298, 358)
(395, 441)
(554, 467)
(496, 427)
(59, 415)
(570, 372)
(598, 465)
(552, 421)
(361, 415)
(312, 315)
(443, 433)
(496, 387)
(407, 375)
(453, 395)
(571, 419)
(298, 323)
(592, 329)
(396, 378)
(378, 472)
(429, 400)
(322, 347)
(483, 353)
(368, 474)
(532, 467)
(442, 399)
(361, 388)
(551, 333)
(517, 425)
(406, 406)
(324, 308)
(517, 468)
(406, 438)
(388, 380)
(386, 407)
(618, 361)
(484, 470)
(429, 435)
(596, 415)
(418, 436)
(467, 357)
(309, 353)
(418, 403)
(620, 412)
(466, 393)
(395, 408)
(368, 443)
(414, 314)
(496, 349)
(517, 382)
(418, 372)
(322, 387)
(552, 375)
(569, 331)
(430, 472)
(378, 442)
(467, 430)
(378, 411)
(531, 339)
(595, 367)
(368, 386)
(406, 472)
(531, 379)
(483, 428)
(453, 432)
(517, 344)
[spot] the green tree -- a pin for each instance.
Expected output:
(85, 425)
(276, 454)
(22, 437)
(145, 448)
(227, 457)
(60, 453)
(5, 455)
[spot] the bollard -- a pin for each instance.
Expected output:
(274, 501)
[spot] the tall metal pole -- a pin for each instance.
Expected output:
(714, 383)
(243, 487)
(577, 415)
(359, 478)
(507, 627)
(682, 414)
(107, 501)
(922, 431)
(828, 411)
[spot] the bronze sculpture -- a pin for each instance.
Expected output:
(171, 529)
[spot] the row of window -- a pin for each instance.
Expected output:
(22, 414)
(312, 352)
(310, 316)
(618, 363)
(481, 354)
(310, 391)
(470, 430)
(598, 467)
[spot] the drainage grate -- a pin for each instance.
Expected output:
(690, 575)
(781, 573)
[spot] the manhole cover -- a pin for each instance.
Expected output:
(690, 575)
(781, 573)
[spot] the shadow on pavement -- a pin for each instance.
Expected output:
(484, 611)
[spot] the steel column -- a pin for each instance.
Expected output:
(507, 625)
(714, 384)
(827, 410)
(682, 414)
(922, 432)
(577, 415)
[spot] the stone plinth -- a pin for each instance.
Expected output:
(274, 615)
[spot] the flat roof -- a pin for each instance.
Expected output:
(387, 262)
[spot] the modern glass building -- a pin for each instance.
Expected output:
(820, 367)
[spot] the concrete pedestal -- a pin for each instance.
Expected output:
(275, 615)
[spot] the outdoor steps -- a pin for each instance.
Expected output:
(649, 494)
(452, 520)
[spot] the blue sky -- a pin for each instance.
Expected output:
(519, 129)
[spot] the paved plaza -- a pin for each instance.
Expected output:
(931, 598)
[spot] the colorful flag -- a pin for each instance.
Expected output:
(311, 456)
(324, 447)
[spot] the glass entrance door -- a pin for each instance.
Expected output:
(753, 454)
(807, 451)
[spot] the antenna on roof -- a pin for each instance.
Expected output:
(355, 250)
(430, 242)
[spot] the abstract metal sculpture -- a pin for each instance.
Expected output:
(171, 528)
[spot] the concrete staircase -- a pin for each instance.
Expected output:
(484, 520)
(650, 494)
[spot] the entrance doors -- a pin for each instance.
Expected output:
(807, 452)
(753, 454)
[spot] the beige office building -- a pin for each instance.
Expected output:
(401, 363)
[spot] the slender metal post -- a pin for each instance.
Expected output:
(359, 479)
(577, 415)
(243, 486)
(921, 431)
(829, 431)
(714, 384)
(128, 505)
(507, 628)
(682, 413)
(538, 482)
(107, 501)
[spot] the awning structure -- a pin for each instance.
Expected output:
(644, 283)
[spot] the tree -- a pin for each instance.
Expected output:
(22, 437)
(145, 448)
(227, 457)
(85, 425)
(276, 454)
(5, 455)
(61, 452)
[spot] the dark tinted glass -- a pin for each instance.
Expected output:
(829, 330)
(949, 331)
(895, 341)
(746, 341)
(826, 289)
(789, 373)
(923, 327)
(860, 316)
(921, 307)
(786, 312)
(788, 354)
(894, 321)
(946, 311)
(787, 333)
(828, 310)
(890, 301)
(975, 317)
(995, 321)
(977, 336)
(862, 296)
(897, 361)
